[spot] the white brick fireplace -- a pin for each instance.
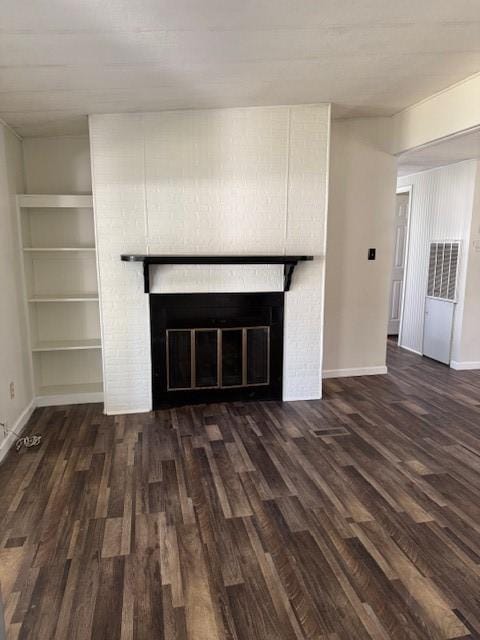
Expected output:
(218, 182)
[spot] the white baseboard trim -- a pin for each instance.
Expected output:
(68, 398)
(122, 412)
(301, 398)
(418, 353)
(466, 365)
(359, 371)
(18, 427)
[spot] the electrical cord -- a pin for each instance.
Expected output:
(28, 441)
(22, 441)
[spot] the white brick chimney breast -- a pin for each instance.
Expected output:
(217, 182)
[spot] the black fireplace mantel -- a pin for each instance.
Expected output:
(289, 263)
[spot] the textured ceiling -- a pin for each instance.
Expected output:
(462, 147)
(60, 60)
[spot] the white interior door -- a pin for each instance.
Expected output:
(398, 270)
(437, 329)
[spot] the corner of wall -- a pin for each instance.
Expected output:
(360, 216)
(16, 357)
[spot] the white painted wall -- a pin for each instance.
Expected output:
(59, 164)
(14, 354)
(469, 351)
(441, 209)
(361, 213)
(219, 181)
(446, 113)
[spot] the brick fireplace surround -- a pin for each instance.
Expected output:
(218, 182)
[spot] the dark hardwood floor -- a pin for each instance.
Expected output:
(354, 517)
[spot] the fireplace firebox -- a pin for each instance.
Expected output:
(213, 347)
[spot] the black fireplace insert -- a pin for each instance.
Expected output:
(215, 347)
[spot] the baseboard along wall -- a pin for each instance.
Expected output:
(17, 427)
(356, 371)
(466, 365)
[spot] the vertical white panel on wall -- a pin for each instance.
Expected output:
(222, 181)
(307, 179)
(441, 209)
(309, 133)
(303, 337)
(216, 180)
(117, 146)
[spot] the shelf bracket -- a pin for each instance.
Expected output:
(288, 270)
(146, 276)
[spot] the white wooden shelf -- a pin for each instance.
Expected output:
(66, 345)
(57, 249)
(69, 394)
(67, 297)
(62, 389)
(39, 201)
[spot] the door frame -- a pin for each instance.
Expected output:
(407, 189)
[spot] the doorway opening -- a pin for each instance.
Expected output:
(433, 294)
(399, 266)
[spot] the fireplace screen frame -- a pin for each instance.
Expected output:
(216, 312)
(219, 331)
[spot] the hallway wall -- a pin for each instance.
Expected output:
(441, 209)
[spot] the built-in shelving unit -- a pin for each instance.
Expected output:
(60, 276)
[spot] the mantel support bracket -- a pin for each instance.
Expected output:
(289, 263)
(146, 276)
(288, 270)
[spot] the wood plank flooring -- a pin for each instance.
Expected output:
(351, 518)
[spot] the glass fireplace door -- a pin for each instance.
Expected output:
(218, 358)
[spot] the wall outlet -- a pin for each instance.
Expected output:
(12, 390)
